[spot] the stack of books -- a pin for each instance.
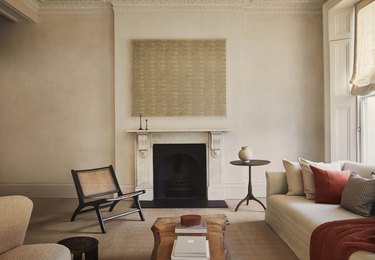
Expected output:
(197, 229)
(190, 248)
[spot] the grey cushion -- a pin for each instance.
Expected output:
(359, 195)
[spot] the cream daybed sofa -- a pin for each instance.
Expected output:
(14, 220)
(294, 218)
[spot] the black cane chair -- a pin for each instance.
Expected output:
(98, 188)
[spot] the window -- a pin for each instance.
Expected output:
(363, 78)
(368, 130)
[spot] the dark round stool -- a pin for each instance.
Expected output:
(81, 245)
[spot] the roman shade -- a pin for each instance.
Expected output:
(363, 79)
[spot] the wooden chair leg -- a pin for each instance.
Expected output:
(136, 201)
(99, 215)
(75, 213)
(113, 205)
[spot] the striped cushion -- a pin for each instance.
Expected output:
(359, 195)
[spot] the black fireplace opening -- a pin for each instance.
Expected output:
(179, 172)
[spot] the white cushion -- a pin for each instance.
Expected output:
(293, 178)
(363, 170)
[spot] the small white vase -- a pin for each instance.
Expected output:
(245, 154)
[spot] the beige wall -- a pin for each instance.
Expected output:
(56, 98)
(274, 86)
(65, 92)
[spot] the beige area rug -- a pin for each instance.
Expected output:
(247, 236)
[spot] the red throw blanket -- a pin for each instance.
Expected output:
(337, 240)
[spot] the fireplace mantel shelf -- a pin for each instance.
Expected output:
(179, 130)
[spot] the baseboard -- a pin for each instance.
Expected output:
(46, 190)
(232, 191)
(39, 190)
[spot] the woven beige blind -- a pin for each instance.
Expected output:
(363, 78)
(178, 77)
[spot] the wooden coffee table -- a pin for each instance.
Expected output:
(164, 236)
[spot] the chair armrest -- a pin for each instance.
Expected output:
(276, 183)
(14, 220)
(127, 195)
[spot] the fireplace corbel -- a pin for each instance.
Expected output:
(142, 146)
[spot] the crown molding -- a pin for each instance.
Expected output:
(19, 10)
(252, 6)
(75, 6)
(34, 4)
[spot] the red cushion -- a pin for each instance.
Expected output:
(329, 185)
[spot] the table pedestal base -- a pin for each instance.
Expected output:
(247, 198)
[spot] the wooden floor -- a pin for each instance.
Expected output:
(247, 236)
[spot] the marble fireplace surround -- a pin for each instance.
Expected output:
(212, 138)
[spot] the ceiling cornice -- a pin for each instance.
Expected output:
(19, 10)
(253, 6)
(75, 6)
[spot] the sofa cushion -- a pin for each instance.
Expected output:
(293, 178)
(46, 251)
(359, 195)
(363, 170)
(308, 178)
(294, 218)
(329, 185)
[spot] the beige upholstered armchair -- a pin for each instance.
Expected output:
(14, 220)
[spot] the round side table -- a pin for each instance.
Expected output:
(250, 195)
(82, 245)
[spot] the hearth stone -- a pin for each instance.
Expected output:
(165, 203)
